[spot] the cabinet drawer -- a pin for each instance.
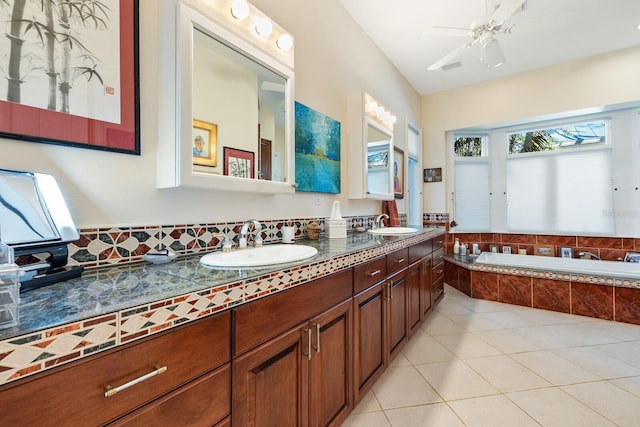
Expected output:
(397, 260)
(369, 273)
(203, 402)
(74, 393)
(437, 272)
(438, 256)
(438, 242)
(420, 250)
(437, 289)
(261, 320)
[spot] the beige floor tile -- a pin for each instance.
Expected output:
(617, 405)
(553, 368)
(626, 352)
(598, 362)
(491, 411)
(466, 345)
(508, 341)
(506, 374)
(547, 317)
(510, 319)
(474, 322)
(439, 324)
(436, 415)
(631, 384)
(455, 380)
(425, 349)
(368, 403)
(368, 419)
(403, 386)
(552, 407)
(400, 360)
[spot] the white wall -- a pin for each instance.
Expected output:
(334, 59)
(598, 81)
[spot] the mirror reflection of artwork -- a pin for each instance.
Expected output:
(317, 151)
(238, 163)
(204, 145)
(378, 159)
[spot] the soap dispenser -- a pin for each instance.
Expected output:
(456, 246)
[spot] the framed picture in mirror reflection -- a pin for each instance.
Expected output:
(398, 173)
(238, 163)
(204, 143)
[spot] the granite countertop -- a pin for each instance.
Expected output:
(111, 289)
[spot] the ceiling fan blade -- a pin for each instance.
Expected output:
(505, 10)
(449, 57)
(437, 30)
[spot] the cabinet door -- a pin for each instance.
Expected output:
(331, 366)
(398, 303)
(414, 282)
(271, 382)
(426, 295)
(203, 402)
(369, 329)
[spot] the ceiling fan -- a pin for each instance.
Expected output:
(484, 33)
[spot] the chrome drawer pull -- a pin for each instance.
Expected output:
(400, 261)
(112, 391)
(374, 273)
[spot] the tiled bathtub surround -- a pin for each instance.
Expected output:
(116, 245)
(600, 297)
(607, 248)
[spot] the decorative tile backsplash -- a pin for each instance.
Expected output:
(98, 247)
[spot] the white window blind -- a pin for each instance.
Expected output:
(472, 200)
(568, 192)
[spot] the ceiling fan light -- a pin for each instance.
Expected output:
(492, 53)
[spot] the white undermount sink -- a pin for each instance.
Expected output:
(265, 256)
(393, 231)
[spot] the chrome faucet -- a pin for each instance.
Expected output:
(244, 233)
(592, 255)
(377, 223)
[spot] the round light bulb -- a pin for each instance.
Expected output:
(285, 42)
(240, 9)
(263, 27)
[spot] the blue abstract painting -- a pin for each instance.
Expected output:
(317, 151)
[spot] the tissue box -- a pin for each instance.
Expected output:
(9, 295)
(335, 228)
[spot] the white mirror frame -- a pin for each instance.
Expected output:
(175, 118)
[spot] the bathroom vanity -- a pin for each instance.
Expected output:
(302, 343)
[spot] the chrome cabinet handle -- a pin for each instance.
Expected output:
(374, 273)
(112, 391)
(400, 261)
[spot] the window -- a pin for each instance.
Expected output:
(560, 190)
(469, 146)
(471, 183)
(558, 137)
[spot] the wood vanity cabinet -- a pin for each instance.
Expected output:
(294, 356)
(194, 389)
(438, 267)
(381, 321)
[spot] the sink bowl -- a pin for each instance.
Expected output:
(393, 231)
(265, 256)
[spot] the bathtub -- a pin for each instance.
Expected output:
(566, 265)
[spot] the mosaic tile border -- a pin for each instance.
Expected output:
(99, 247)
(33, 353)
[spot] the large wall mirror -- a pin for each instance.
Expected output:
(234, 113)
(379, 141)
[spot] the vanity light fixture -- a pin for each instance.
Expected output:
(263, 27)
(240, 9)
(378, 112)
(285, 42)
